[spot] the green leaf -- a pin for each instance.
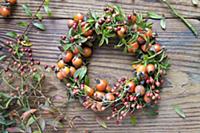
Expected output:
(42, 123)
(47, 10)
(87, 80)
(81, 72)
(31, 120)
(101, 41)
(22, 24)
(195, 2)
(67, 46)
(37, 77)
(101, 122)
(12, 34)
(27, 10)
(163, 23)
(39, 16)
(133, 120)
(179, 111)
(154, 15)
(39, 26)
(2, 57)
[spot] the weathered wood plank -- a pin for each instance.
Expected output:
(67, 8)
(182, 86)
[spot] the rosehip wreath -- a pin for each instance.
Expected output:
(134, 34)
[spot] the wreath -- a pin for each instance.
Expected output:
(134, 34)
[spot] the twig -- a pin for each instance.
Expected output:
(186, 22)
(32, 18)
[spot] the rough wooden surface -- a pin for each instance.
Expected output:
(182, 85)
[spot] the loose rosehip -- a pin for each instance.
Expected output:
(139, 89)
(68, 57)
(150, 68)
(109, 97)
(157, 47)
(87, 52)
(131, 86)
(70, 23)
(77, 62)
(60, 76)
(89, 91)
(147, 99)
(5, 11)
(60, 64)
(72, 71)
(121, 32)
(133, 47)
(12, 2)
(99, 95)
(145, 48)
(141, 40)
(101, 85)
(78, 17)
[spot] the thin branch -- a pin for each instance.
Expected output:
(185, 21)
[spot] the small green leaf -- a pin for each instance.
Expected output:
(39, 26)
(67, 46)
(31, 120)
(179, 111)
(39, 16)
(195, 2)
(12, 34)
(37, 77)
(133, 120)
(22, 24)
(163, 23)
(2, 57)
(154, 15)
(27, 10)
(101, 122)
(81, 72)
(47, 10)
(42, 123)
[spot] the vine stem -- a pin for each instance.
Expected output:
(32, 18)
(186, 22)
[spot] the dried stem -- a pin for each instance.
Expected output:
(185, 21)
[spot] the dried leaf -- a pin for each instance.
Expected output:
(179, 111)
(133, 120)
(39, 25)
(26, 43)
(101, 122)
(27, 114)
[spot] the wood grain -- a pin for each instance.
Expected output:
(67, 8)
(182, 82)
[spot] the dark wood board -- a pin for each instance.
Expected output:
(182, 84)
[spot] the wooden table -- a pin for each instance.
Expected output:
(182, 85)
